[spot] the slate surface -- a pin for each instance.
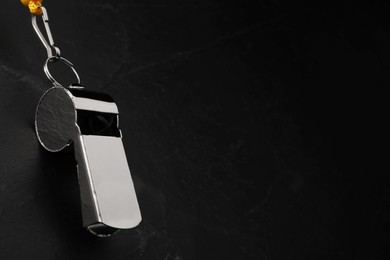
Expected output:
(252, 132)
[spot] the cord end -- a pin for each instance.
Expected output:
(33, 5)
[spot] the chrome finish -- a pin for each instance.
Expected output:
(90, 121)
(48, 45)
(64, 61)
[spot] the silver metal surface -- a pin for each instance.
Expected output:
(64, 61)
(95, 105)
(108, 197)
(53, 52)
(48, 45)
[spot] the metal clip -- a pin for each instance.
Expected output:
(48, 45)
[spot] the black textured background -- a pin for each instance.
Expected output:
(253, 131)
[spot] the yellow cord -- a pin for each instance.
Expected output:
(33, 5)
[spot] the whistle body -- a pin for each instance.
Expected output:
(90, 120)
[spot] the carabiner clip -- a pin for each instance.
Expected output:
(49, 46)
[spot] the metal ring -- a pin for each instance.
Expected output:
(64, 61)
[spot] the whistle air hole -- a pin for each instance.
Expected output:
(96, 123)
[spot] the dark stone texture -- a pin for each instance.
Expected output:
(252, 132)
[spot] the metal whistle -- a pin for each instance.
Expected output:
(90, 121)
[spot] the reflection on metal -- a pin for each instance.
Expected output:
(90, 120)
